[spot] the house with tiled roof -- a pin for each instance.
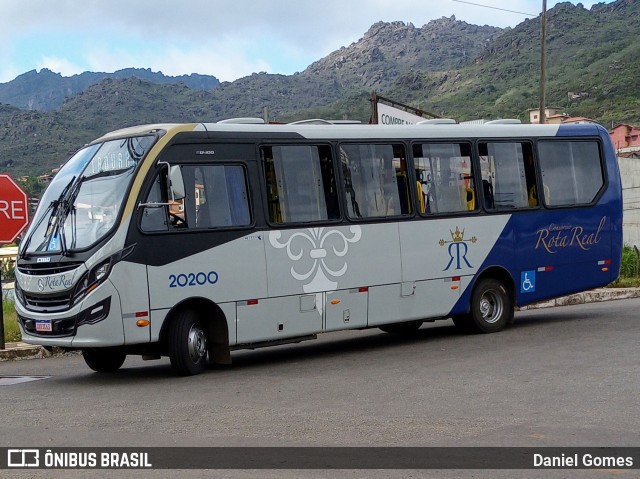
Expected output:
(625, 136)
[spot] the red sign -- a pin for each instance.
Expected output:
(14, 210)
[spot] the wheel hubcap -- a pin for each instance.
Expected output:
(491, 306)
(197, 341)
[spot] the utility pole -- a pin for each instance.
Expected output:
(543, 61)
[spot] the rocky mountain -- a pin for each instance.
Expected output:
(389, 50)
(592, 69)
(458, 70)
(46, 90)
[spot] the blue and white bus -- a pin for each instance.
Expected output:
(193, 240)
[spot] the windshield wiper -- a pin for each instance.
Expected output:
(68, 208)
(54, 206)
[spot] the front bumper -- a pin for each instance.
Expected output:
(95, 322)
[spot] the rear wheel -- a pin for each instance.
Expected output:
(402, 328)
(103, 360)
(491, 308)
(187, 344)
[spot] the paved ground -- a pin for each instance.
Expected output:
(565, 376)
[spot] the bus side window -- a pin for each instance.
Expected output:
(375, 180)
(571, 171)
(300, 183)
(508, 175)
(220, 193)
(208, 196)
(445, 177)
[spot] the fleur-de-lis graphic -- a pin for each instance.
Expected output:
(312, 244)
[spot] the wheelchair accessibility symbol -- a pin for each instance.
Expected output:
(527, 281)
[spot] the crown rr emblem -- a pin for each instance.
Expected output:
(457, 236)
(458, 249)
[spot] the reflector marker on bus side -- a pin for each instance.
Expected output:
(542, 269)
(604, 263)
(455, 280)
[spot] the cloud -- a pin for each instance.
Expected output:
(60, 65)
(225, 63)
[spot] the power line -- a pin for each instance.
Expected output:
(495, 8)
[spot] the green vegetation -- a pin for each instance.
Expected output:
(629, 269)
(11, 329)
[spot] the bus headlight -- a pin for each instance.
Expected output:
(98, 274)
(101, 271)
(91, 280)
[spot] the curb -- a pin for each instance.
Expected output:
(20, 350)
(593, 296)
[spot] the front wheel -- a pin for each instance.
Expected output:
(491, 308)
(187, 344)
(104, 360)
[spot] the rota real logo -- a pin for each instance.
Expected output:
(458, 249)
(556, 237)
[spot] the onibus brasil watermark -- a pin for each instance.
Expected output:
(49, 459)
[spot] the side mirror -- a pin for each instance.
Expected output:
(174, 186)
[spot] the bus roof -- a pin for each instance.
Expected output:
(359, 131)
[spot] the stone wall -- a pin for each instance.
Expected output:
(630, 173)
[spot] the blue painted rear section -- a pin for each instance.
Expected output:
(562, 251)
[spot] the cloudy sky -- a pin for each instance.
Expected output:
(228, 39)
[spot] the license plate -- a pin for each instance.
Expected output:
(43, 325)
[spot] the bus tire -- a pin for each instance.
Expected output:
(104, 360)
(407, 327)
(187, 344)
(491, 308)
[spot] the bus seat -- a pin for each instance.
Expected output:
(471, 198)
(421, 202)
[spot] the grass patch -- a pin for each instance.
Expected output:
(11, 329)
(622, 282)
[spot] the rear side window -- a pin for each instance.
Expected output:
(571, 172)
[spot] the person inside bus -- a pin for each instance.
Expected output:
(348, 186)
(487, 190)
(530, 177)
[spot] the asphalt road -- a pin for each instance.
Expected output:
(567, 376)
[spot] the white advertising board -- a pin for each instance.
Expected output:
(387, 115)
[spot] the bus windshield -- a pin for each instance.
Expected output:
(83, 201)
